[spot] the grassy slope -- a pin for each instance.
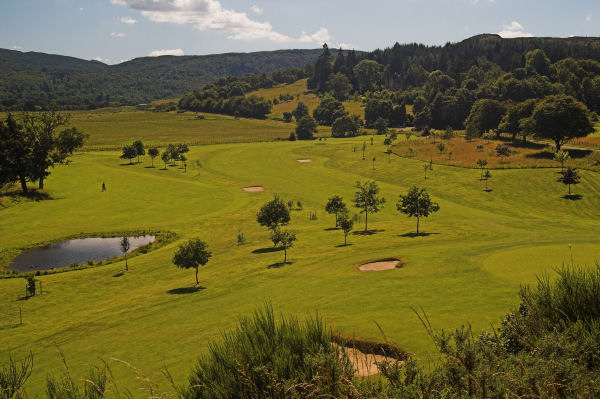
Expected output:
(482, 246)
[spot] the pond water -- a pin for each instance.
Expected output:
(66, 253)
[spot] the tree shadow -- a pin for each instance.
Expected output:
(128, 164)
(119, 274)
(267, 250)
(572, 197)
(575, 154)
(31, 194)
(149, 167)
(331, 228)
(344, 245)
(368, 232)
(413, 234)
(186, 290)
(488, 190)
(277, 265)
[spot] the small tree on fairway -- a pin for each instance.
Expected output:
(166, 157)
(486, 176)
(374, 163)
(153, 153)
(367, 200)
(286, 240)
(561, 157)
(139, 149)
(569, 177)
(441, 147)
(335, 205)
(417, 203)
(273, 214)
(346, 224)
(129, 152)
(364, 147)
(192, 254)
(482, 163)
(124, 244)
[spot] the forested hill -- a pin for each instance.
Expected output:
(31, 80)
(404, 61)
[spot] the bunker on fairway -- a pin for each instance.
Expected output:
(384, 264)
(254, 189)
(304, 160)
(78, 251)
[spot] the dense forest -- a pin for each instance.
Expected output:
(32, 81)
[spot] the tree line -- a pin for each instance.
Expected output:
(31, 144)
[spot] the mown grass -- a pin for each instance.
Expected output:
(480, 247)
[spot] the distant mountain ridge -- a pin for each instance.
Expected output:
(31, 79)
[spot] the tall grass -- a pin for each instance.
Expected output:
(270, 357)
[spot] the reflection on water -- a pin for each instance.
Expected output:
(79, 251)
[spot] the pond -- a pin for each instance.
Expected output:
(78, 251)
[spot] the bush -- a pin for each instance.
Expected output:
(272, 357)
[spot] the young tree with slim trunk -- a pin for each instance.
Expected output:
(153, 153)
(417, 203)
(569, 177)
(561, 157)
(124, 244)
(481, 163)
(335, 205)
(285, 238)
(367, 200)
(486, 176)
(346, 224)
(166, 157)
(192, 254)
(129, 152)
(139, 149)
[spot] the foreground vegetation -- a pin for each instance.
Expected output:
(465, 266)
(548, 347)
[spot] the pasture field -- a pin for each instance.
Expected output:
(467, 267)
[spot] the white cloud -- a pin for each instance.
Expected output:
(158, 53)
(104, 60)
(321, 36)
(128, 20)
(512, 30)
(118, 34)
(80, 9)
(209, 15)
(588, 18)
(15, 47)
(256, 9)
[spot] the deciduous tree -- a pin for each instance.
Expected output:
(192, 254)
(335, 205)
(417, 203)
(367, 199)
(273, 214)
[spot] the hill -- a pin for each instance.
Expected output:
(37, 79)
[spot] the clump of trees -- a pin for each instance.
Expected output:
(208, 100)
(32, 144)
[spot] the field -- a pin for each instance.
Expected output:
(466, 268)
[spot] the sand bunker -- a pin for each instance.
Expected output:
(304, 160)
(253, 189)
(385, 264)
(364, 364)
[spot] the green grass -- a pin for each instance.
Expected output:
(482, 246)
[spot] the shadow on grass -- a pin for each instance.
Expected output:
(119, 274)
(572, 197)
(186, 290)
(413, 234)
(488, 190)
(149, 167)
(10, 326)
(128, 164)
(331, 228)
(344, 245)
(31, 194)
(267, 250)
(277, 265)
(368, 232)
(575, 154)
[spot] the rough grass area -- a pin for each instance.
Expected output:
(466, 267)
(463, 153)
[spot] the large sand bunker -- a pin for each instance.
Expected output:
(254, 189)
(365, 364)
(304, 160)
(384, 264)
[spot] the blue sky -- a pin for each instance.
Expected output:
(118, 30)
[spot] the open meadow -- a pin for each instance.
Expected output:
(467, 267)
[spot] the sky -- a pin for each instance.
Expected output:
(113, 31)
